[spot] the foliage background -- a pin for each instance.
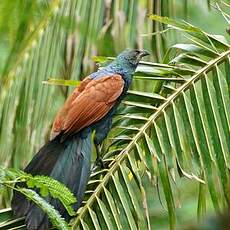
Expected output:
(40, 40)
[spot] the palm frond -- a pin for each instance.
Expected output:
(8, 222)
(188, 133)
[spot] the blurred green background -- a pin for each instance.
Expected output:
(41, 40)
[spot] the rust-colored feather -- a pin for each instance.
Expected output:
(62, 113)
(90, 102)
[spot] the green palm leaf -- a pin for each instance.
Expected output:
(188, 133)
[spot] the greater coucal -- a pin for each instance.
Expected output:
(66, 157)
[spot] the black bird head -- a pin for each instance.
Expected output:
(133, 56)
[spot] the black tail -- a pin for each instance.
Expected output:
(69, 163)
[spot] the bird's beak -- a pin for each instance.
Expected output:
(144, 53)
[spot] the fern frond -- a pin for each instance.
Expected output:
(46, 185)
(52, 213)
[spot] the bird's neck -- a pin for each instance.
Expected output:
(122, 67)
(125, 69)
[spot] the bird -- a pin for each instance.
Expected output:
(66, 157)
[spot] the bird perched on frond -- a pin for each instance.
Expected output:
(66, 157)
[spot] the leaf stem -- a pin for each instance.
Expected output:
(121, 157)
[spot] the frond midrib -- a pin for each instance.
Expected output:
(119, 159)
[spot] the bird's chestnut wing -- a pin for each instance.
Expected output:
(92, 103)
(60, 118)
